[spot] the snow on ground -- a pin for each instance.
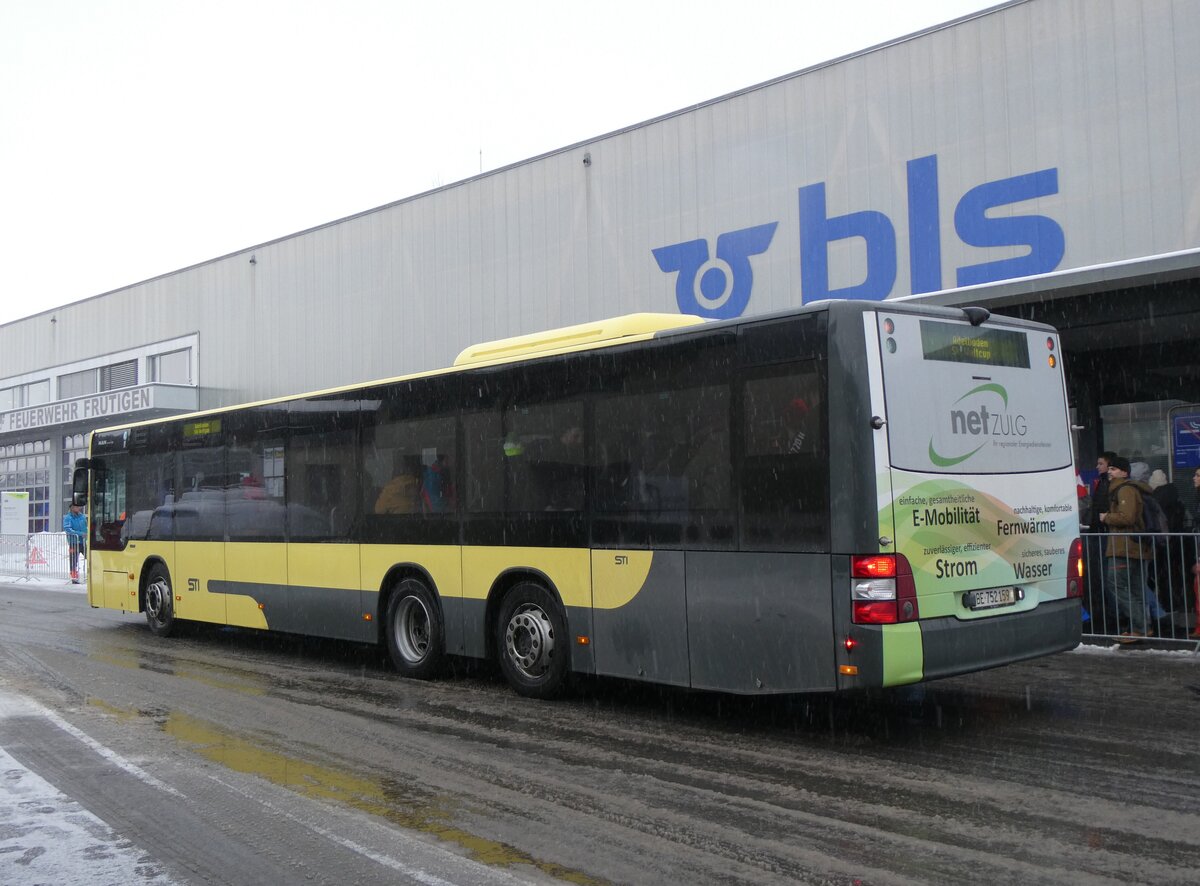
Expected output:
(1113, 648)
(49, 584)
(46, 837)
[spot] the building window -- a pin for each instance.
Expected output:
(172, 368)
(118, 375)
(78, 384)
(33, 393)
(37, 392)
(74, 446)
(25, 467)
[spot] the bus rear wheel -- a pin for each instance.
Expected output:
(160, 602)
(531, 639)
(415, 638)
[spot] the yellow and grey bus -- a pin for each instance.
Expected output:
(847, 495)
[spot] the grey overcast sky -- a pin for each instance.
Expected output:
(142, 136)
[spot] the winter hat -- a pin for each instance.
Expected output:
(1139, 471)
(1120, 463)
(1157, 479)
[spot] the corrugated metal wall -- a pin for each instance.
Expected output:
(1104, 92)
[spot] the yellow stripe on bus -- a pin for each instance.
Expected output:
(617, 576)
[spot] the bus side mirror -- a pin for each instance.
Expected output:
(79, 487)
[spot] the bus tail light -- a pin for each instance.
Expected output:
(1075, 569)
(882, 590)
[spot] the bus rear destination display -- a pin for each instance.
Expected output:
(955, 343)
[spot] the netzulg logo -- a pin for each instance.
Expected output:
(715, 287)
(980, 422)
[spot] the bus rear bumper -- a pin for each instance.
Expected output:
(955, 647)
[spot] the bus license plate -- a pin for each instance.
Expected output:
(990, 598)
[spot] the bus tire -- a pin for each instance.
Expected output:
(160, 602)
(531, 642)
(413, 625)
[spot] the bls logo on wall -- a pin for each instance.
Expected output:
(715, 287)
(721, 287)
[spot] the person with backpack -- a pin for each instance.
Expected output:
(1127, 552)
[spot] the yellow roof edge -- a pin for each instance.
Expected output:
(572, 338)
(629, 326)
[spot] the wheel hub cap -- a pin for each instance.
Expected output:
(530, 640)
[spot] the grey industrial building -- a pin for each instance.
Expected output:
(1038, 157)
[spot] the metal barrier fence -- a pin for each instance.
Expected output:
(42, 555)
(1167, 610)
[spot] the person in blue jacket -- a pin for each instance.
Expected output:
(75, 526)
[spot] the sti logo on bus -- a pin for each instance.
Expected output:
(719, 287)
(989, 424)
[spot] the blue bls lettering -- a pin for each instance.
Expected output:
(817, 231)
(717, 288)
(1042, 235)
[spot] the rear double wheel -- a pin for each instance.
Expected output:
(415, 635)
(531, 640)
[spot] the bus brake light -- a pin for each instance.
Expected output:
(1075, 569)
(882, 590)
(876, 566)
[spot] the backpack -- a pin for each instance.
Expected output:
(1154, 518)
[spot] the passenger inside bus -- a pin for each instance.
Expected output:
(402, 494)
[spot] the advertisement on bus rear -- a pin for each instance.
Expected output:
(981, 531)
(980, 490)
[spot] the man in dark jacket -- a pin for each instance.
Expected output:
(1099, 501)
(1127, 550)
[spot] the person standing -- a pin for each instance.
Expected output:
(1097, 502)
(1195, 634)
(1100, 491)
(1126, 550)
(75, 526)
(1171, 580)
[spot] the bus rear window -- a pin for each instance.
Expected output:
(965, 399)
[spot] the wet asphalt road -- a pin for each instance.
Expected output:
(236, 757)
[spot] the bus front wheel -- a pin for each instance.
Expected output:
(531, 638)
(160, 604)
(415, 638)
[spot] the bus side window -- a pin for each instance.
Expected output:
(321, 468)
(785, 488)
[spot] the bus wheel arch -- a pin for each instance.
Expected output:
(529, 635)
(413, 623)
(156, 598)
